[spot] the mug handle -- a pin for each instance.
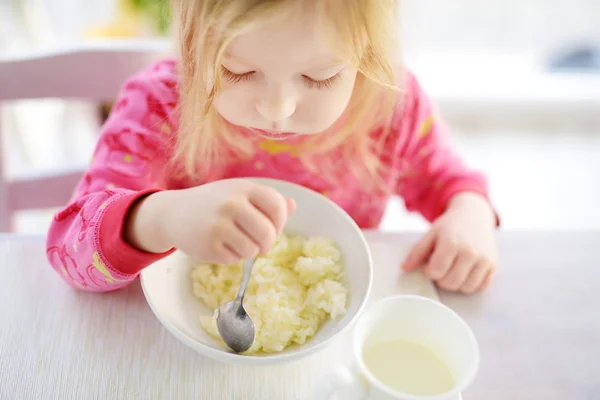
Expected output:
(341, 380)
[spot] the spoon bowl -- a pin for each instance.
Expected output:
(233, 322)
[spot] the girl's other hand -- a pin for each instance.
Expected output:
(459, 252)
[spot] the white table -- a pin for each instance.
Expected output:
(538, 328)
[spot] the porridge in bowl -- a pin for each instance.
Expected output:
(169, 290)
(293, 290)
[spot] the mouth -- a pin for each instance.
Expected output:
(274, 135)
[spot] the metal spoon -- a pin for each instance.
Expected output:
(233, 322)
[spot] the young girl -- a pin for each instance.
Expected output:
(309, 91)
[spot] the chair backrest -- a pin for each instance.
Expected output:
(89, 71)
(93, 70)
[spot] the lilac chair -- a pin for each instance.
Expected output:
(91, 71)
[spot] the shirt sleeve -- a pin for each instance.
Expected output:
(429, 171)
(85, 241)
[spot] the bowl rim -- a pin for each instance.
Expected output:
(274, 358)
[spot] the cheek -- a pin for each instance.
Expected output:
(325, 107)
(234, 104)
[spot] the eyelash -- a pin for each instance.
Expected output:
(322, 84)
(311, 83)
(235, 78)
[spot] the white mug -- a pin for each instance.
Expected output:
(412, 319)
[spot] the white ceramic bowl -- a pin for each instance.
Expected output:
(168, 288)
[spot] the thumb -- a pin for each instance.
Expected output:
(419, 254)
(291, 205)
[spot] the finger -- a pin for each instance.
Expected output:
(475, 279)
(216, 250)
(291, 205)
(238, 241)
(256, 225)
(487, 281)
(420, 252)
(227, 256)
(441, 260)
(221, 254)
(271, 203)
(458, 273)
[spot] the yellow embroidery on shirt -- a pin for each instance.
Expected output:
(64, 271)
(274, 148)
(127, 158)
(75, 248)
(103, 206)
(102, 268)
(427, 127)
(165, 128)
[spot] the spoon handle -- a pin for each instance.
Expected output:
(248, 264)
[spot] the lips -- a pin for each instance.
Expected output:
(275, 135)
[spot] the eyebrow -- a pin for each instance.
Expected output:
(330, 64)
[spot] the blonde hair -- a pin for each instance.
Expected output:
(366, 30)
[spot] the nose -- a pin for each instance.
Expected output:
(276, 109)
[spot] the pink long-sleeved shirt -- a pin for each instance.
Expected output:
(85, 243)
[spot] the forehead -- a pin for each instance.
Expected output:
(284, 39)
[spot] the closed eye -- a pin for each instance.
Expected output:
(310, 82)
(320, 83)
(235, 78)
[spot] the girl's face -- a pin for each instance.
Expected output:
(281, 79)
